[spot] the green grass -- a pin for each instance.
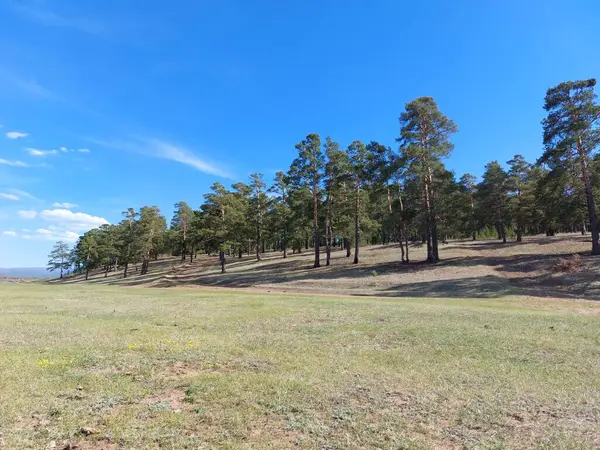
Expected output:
(140, 368)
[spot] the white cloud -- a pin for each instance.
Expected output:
(160, 149)
(84, 150)
(9, 233)
(65, 205)
(27, 214)
(72, 221)
(47, 234)
(8, 196)
(16, 135)
(36, 152)
(64, 149)
(13, 163)
(23, 194)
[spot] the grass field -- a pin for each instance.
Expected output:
(106, 368)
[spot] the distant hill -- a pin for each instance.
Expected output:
(25, 272)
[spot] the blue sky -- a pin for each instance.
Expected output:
(107, 104)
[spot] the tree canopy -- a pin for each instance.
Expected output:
(373, 194)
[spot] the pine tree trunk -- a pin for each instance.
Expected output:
(316, 225)
(589, 196)
(222, 260)
(402, 247)
(106, 270)
(356, 224)
(125, 270)
(406, 241)
(347, 247)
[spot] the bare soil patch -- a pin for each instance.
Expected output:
(540, 266)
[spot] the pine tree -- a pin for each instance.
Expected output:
(571, 136)
(306, 170)
(337, 170)
(492, 193)
(424, 141)
(258, 207)
(357, 155)
(59, 258)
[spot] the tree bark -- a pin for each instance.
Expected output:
(589, 197)
(125, 270)
(222, 260)
(402, 246)
(316, 224)
(356, 224)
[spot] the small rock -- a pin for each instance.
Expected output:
(86, 431)
(79, 388)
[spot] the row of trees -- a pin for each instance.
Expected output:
(369, 193)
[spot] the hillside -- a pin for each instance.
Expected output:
(24, 272)
(479, 269)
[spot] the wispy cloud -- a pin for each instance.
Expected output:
(9, 233)
(27, 85)
(23, 194)
(157, 148)
(6, 196)
(16, 135)
(27, 214)
(13, 163)
(65, 205)
(33, 12)
(37, 152)
(84, 150)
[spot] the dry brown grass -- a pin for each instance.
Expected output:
(569, 265)
(480, 269)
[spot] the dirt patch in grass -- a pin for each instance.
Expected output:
(171, 399)
(100, 444)
(539, 266)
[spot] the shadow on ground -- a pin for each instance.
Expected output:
(486, 269)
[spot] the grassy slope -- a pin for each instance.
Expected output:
(155, 368)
